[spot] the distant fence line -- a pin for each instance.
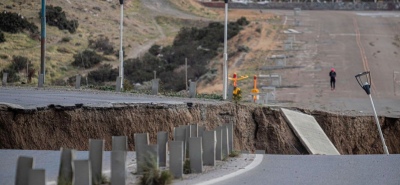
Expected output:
(311, 5)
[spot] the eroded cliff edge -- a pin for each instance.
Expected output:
(255, 127)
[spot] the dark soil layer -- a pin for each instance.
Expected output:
(255, 127)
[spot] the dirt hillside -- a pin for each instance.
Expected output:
(145, 23)
(260, 38)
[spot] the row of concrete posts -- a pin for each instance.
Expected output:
(156, 83)
(154, 87)
(190, 141)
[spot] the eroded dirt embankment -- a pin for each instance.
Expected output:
(255, 127)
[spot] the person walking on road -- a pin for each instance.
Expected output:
(332, 74)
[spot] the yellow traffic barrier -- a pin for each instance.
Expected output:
(255, 91)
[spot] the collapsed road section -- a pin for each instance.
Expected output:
(255, 128)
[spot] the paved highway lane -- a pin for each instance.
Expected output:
(351, 42)
(33, 97)
(322, 169)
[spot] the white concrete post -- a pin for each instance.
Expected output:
(218, 149)
(24, 165)
(225, 142)
(196, 155)
(209, 143)
(96, 148)
(37, 177)
(180, 135)
(78, 82)
(141, 143)
(176, 158)
(162, 141)
(118, 167)
(82, 173)
(65, 173)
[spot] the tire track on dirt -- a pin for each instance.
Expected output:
(158, 8)
(362, 51)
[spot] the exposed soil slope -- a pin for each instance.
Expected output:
(254, 127)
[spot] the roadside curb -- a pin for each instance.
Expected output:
(257, 160)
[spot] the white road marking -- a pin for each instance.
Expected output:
(380, 14)
(353, 34)
(284, 23)
(257, 160)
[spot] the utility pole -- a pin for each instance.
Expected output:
(43, 45)
(225, 65)
(186, 69)
(121, 52)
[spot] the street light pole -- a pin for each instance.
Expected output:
(367, 88)
(121, 52)
(43, 45)
(385, 149)
(225, 65)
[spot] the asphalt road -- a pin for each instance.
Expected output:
(351, 42)
(322, 169)
(34, 97)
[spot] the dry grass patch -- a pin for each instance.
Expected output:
(194, 7)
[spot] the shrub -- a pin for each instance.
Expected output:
(15, 23)
(19, 63)
(66, 39)
(152, 174)
(224, 158)
(31, 73)
(71, 80)
(127, 85)
(63, 50)
(198, 45)
(97, 8)
(186, 167)
(4, 57)
(155, 50)
(242, 21)
(59, 82)
(104, 179)
(102, 44)
(55, 16)
(210, 96)
(63, 181)
(12, 75)
(86, 59)
(234, 153)
(104, 74)
(243, 48)
(2, 38)
(105, 88)
(140, 70)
